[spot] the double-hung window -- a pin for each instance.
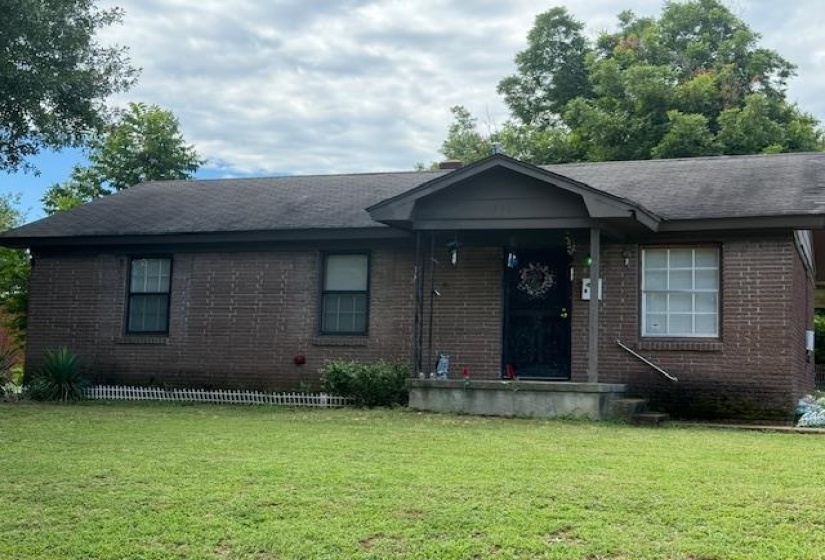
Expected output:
(149, 282)
(345, 294)
(680, 292)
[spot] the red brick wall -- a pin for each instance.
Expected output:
(756, 366)
(467, 316)
(803, 307)
(236, 319)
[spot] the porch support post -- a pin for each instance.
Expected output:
(417, 334)
(593, 323)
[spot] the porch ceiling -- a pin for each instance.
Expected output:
(503, 193)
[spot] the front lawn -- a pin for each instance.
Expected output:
(166, 481)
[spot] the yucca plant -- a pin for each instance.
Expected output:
(8, 359)
(59, 378)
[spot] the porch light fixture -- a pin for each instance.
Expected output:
(452, 249)
(569, 243)
(588, 260)
(626, 257)
(512, 260)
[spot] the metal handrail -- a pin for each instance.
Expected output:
(648, 362)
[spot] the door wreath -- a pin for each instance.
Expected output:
(536, 280)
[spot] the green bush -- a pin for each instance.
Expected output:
(819, 338)
(367, 383)
(60, 377)
(17, 375)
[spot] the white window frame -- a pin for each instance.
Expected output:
(693, 291)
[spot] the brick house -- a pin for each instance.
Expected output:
(706, 275)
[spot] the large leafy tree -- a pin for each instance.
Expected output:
(54, 75)
(14, 272)
(143, 143)
(552, 70)
(692, 82)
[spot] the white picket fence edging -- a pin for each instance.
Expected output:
(124, 393)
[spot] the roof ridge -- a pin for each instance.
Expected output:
(271, 177)
(681, 159)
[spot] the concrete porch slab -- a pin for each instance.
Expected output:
(526, 399)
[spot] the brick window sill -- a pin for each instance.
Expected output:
(682, 345)
(142, 340)
(339, 341)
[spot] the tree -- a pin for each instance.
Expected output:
(14, 272)
(464, 142)
(54, 75)
(692, 82)
(549, 144)
(551, 70)
(143, 144)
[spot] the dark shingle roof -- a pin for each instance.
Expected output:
(231, 205)
(712, 187)
(679, 189)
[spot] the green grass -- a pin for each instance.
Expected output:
(158, 481)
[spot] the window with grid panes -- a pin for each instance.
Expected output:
(680, 292)
(149, 283)
(345, 294)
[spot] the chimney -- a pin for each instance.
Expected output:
(450, 164)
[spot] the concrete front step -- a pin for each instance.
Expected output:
(624, 409)
(650, 418)
(635, 411)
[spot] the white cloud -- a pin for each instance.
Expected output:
(320, 87)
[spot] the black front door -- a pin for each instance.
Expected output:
(536, 314)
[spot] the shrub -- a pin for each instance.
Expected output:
(367, 383)
(17, 375)
(819, 338)
(60, 378)
(8, 357)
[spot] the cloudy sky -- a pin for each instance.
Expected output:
(320, 86)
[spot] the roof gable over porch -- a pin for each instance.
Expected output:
(503, 193)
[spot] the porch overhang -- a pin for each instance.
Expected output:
(501, 193)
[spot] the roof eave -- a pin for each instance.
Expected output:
(796, 221)
(206, 237)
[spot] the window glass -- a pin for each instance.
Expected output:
(148, 306)
(680, 292)
(344, 300)
(655, 259)
(707, 303)
(150, 275)
(679, 323)
(681, 258)
(680, 279)
(656, 280)
(706, 325)
(656, 323)
(707, 279)
(708, 258)
(680, 303)
(346, 273)
(657, 303)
